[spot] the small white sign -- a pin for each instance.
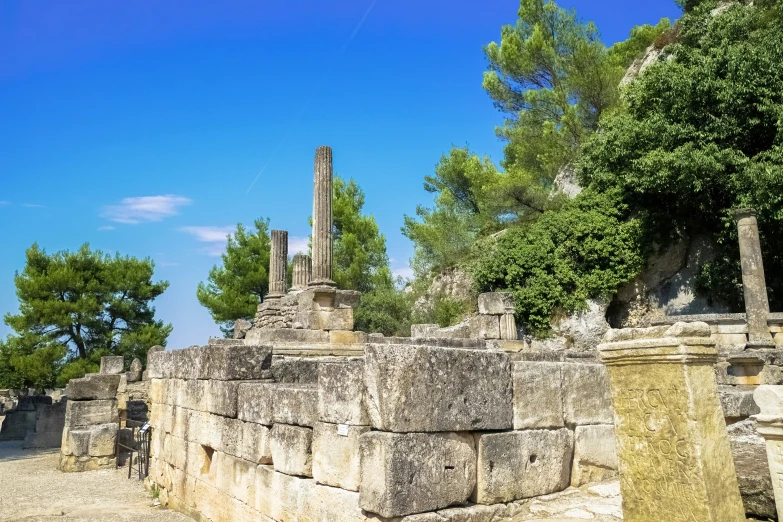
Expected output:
(342, 429)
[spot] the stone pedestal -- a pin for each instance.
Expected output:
(753, 283)
(302, 272)
(770, 426)
(322, 218)
(278, 259)
(675, 460)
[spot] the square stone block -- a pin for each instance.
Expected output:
(347, 337)
(336, 455)
(296, 370)
(334, 319)
(221, 397)
(102, 386)
(538, 395)
(325, 504)
(160, 365)
(231, 436)
(286, 335)
(522, 464)
(292, 449)
(80, 414)
(484, 327)
(496, 303)
(341, 393)
(112, 364)
(429, 389)
(255, 402)
(295, 404)
(587, 398)
(403, 474)
(237, 362)
(595, 454)
(237, 478)
(256, 440)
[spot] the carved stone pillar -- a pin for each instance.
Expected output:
(753, 282)
(278, 259)
(322, 219)
(302, 272)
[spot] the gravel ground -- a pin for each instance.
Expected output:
(32, 489)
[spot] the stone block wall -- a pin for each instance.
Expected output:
(401, 433)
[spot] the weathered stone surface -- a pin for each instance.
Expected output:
(522, 464)
(241, 327)
(423, 330)
(302, 272)
(538, 395)
(427, 389)
(322, 240)
(292, 449)
(753, 282)
(238, 363)
(102, 386)
(402, 474)
(336, 455)
(335, 319)
(300, 370)
(327, 504)
(484, 326)
(586, 395)
(508, 327)
(255, 402)
(675, 458)
(256, 443)
(770, 426)
(112, 365)
(103, 439)
(496, 303)
(89, 413)
(346, 337)
(160, 364)
(286, 335)
(341, 393)
(750, 462)
(595, 454)
(295, 404)
(278, 260)
(737, 401)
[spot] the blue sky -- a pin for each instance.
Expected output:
(143, 127)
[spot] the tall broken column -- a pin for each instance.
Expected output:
(302, 272)
(322, 219)
(278, 260)
(753, 282)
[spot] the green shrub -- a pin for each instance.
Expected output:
(384, 310)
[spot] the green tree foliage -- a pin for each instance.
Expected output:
(360, 258)
(385, 310)
(584, 250)
(75, 306)
(702, 135)
(234, 290)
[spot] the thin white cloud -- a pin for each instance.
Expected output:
(215, 237)
(106, 228)
(3, 203)
(405, 272)
(133, 211)
(298, 245)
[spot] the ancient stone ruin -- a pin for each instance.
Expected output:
(301, 418)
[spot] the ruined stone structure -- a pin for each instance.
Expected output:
(302, 272)
(753, 282)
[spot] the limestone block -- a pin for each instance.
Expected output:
(256, 440)
(508, 327)
(484, 327)
(188, 363)
(231, 436)
(237, 478)
(157, 389)
(347, 337)
(419, 331)
(538, 395)
(426, 389)
(180, 422)
(160, 365)
(112, 365)
(522, 464)
(237, 362)
(221, 397)
(595, 454)
(341, 393)
(496, 303)
(255, 402)
(206, 429)
(292, 449)
(325, 504)
(286, 335)
(103, 440)
(77, 443)
(587, 399)
(102, 386)
(278, 494)
(402, 474)
(295, 404)
(336, 455)
(300, 370)
(192, 394)
(336, 319)
(737, 401)
(89, 413)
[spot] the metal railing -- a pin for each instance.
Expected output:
(141, 438)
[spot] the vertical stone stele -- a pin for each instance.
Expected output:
(753, 283)
(302, 272)
(278, 260)
(675, 460)
(769, 424)
(322, 219)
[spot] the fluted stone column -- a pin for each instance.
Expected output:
(302, 272)
(278, 259)
(753, 282)
(322, 219)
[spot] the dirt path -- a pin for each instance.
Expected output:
(32, 489)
